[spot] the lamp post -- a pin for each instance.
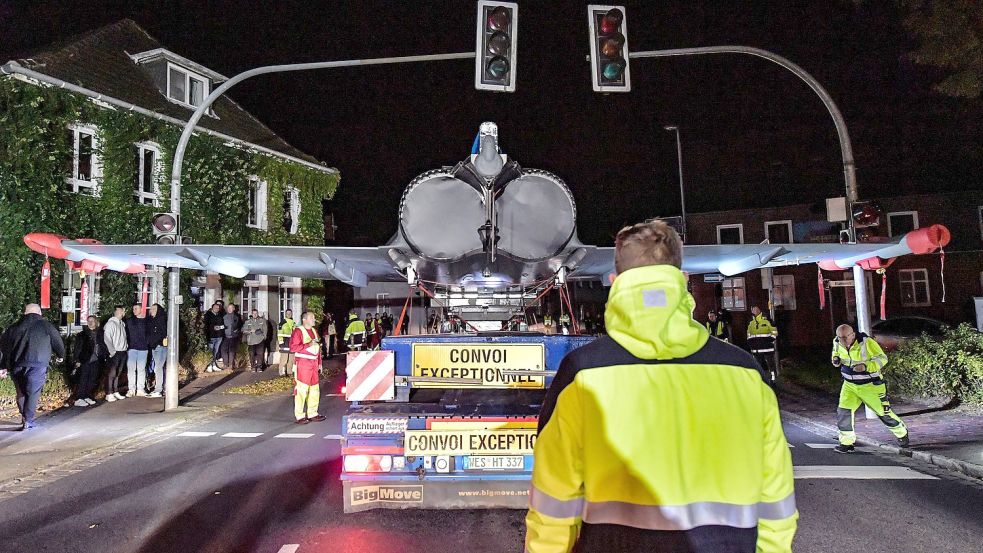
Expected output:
(682, 192)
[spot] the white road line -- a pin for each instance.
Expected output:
(790, 445)
(334, 437)
(860, 472)
(821, 446)
(289, 435)
(242, 434)
(291, 548)
(197, 434)
(334, 395)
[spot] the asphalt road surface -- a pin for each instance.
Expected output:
(252, 481)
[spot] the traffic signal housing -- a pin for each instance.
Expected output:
(495, 46)
(165, 228)
(608, 48)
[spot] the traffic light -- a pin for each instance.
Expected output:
(608, 48)
(164, 226)
(495, 46)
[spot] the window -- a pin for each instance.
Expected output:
(250, 298)
(85, 168)
(783, 291)
(730, 234)
(185, 87)
(155, 289)
(778, 232)
(146, 187)
(382, 303)
(733, 297)
(257, 203)
(901, 222)
(914, 288)
(291, 209)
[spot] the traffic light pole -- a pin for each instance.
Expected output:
(174, 278)
(846, 148)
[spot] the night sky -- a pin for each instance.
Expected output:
(753, 135)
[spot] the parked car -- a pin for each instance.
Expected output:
(891, 332)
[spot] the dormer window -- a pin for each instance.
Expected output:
(185, 87)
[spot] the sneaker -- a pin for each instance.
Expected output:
(141, 393)
(111, 398)
(301, 421)
(903, 441)
(90, 401)
(119, 395)
(155, 394)
(131, 394)
(80, 403)
(844, 448)
(317, 418)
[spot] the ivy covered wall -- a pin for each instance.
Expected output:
(36, 157)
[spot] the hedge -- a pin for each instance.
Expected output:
(950, 366)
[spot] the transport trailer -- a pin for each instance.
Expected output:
(446, 421)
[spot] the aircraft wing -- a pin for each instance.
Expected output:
(733, 259)
(354, 266)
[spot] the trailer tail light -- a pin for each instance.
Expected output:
(344, 390)
(368, 463)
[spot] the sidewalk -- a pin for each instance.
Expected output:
(951, 438)
(72, 439)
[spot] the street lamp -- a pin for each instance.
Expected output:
(679, 157)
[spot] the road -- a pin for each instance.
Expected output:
(251, 481)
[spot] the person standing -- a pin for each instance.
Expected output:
(332, 335)
(761, 340)
(27, 347)
(306, 345)
(286, 364)
(215, 331)
(354, 332)
(157, 343)
(232, 324)
(88, 357)
(860, 360)
(137, 338)
(548, 323)
(717, 327)
(603, 481)
(116, 345)
(255, 332)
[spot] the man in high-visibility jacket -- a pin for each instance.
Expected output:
(718, 328)
(761, 340)
(306, 347)
(354, 332)
(283, 334)
(860, 360)
(548, 323)
(760, 325)
(627, 461)
(564, 323)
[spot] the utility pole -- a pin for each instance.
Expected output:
(846, 147)
(174, 277)
(682, 191)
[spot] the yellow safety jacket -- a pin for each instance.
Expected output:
(658, 428)
(284, 333)
(760, 326)
(864, 350)
(717, 329)
(355, 326)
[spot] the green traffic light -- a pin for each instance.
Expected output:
(497, 68)
(614, 70)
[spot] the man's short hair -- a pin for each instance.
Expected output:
(650, 243)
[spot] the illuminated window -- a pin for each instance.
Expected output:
(733, 297)
(783, 291)
(914, 288)
(85, 168)
(291, 209)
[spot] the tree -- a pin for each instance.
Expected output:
(950, 36)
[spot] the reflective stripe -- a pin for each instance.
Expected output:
(550, 506)
(762, 350)
(865, 377)
(307, 340)
(687, 517)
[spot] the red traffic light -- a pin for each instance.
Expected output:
(164, 223)
(499, 19)
(611, 21)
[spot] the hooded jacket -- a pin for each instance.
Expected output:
(659, 438)
(30, 343)
(114, 334)
(137, 332)
(156, 329)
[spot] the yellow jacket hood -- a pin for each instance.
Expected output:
(649, 313)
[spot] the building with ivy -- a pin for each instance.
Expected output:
(87, 131)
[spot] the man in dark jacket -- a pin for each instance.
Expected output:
(157, 344)
(233, 332)
(136, 357)
(215, 330)
(27, 347)
(88, 357)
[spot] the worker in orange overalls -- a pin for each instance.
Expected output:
(305, 344)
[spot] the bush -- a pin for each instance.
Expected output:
(951, 366)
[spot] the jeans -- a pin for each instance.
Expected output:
(160, 367)
(215, 344)
(28, 382)
(229, 348)
(136, 370)
(115, 367)
(257, 356)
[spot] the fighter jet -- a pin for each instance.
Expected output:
(484, 224)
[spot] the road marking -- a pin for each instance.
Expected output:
(242, 434)
(821, 446)
(334, 437)
(197, 434)
(334, 395)
(289, 435)
(860, 472)
(291, 548)
(790, 445)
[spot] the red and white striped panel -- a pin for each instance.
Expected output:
(371, 376)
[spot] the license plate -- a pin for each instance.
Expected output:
(494, 462)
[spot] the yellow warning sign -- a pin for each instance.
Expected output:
(485, 363)
(475, 442)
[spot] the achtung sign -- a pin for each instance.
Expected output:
(473, 442)
(482, 362)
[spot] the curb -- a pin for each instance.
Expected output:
(954, 465)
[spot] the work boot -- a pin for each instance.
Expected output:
(302, 421)
(317, 418)
(844, 448)
(903, 441)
